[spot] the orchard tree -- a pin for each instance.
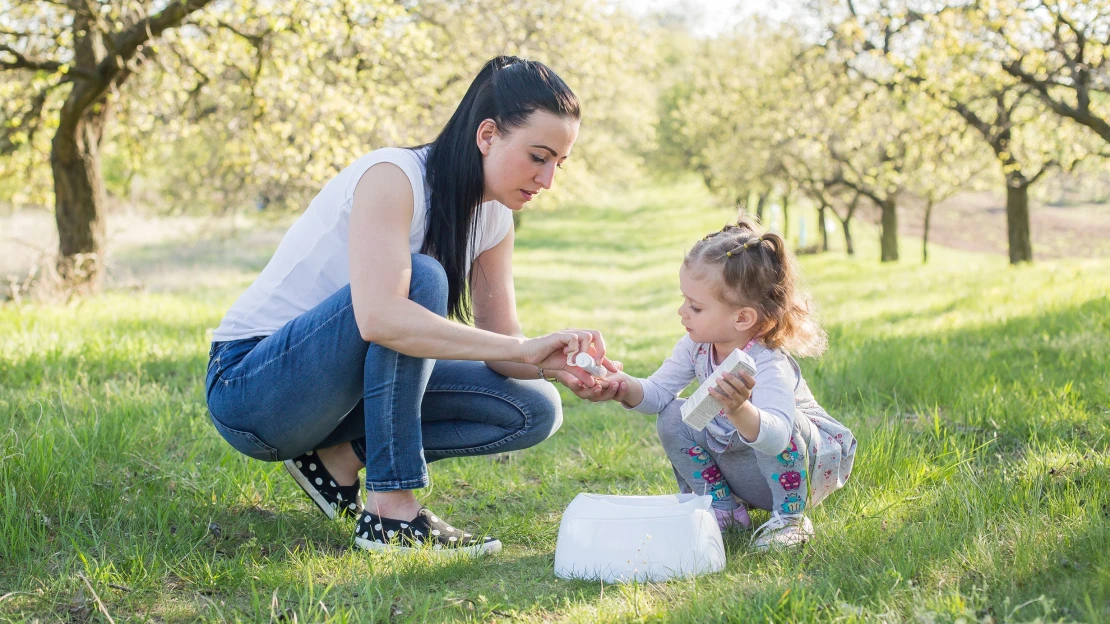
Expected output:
(67, 63)
(1058, 49)
(298, 92)
(735, 116)
(939, 54)
(262, 102)
(862, 130)
(946, 159)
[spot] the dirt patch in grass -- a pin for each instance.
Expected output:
(150, 252)
(977, 222)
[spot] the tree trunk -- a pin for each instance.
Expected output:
(1017, 218)
(785, 216)
(759, 207)
(889, 219)
(79, 195)
(846, 225)
(824, 230)
(925, 231)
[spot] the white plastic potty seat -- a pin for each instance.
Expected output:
(619, 539)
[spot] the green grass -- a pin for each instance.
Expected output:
(980, 394)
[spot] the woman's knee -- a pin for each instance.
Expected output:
(543, 409)
(428, 285)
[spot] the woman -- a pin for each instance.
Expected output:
(340, 355)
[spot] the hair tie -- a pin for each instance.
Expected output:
(752, 242)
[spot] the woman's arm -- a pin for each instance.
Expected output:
(493, 296)
(381, 269)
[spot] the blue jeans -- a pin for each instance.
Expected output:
(316, 383)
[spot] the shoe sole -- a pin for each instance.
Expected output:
(481, 549)
(308, 488)
(780, 545)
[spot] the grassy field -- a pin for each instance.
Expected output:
(980, 394)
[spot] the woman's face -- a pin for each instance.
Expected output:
(520, 164)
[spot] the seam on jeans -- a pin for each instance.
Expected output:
(250, 437)
(392, 415)
(508, 398)
(277, 357)
(406, 484)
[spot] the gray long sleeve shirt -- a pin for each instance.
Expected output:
(776, 380)
(785, 403)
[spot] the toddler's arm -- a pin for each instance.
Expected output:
(631, 393)
(651, 395)
(770, 411)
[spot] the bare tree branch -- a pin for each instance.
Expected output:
(1076, 74)
(1041, 87)
(29, 121)
(1044, 169)
(255, 40)
(128, 41)
(22, 62)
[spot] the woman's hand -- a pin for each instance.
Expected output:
(550, 353)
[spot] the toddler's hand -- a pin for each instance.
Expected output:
(733, 391)
(604, 388)
(620, 380)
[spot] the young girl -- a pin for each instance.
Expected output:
(772, 446)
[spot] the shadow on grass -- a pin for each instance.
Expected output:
(1030, 377)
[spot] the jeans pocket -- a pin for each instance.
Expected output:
(246, 443)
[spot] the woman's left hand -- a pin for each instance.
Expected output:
(550, 352)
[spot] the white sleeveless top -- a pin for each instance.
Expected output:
(311, 262)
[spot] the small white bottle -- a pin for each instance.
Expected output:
(586, 362)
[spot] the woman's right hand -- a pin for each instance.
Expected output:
(550, 353)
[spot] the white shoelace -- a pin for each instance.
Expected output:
(776, 523)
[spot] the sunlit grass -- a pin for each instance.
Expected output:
(980, 394)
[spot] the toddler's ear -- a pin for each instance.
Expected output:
(746, 319)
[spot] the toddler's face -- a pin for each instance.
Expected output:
(705, 316)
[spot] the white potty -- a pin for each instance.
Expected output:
(619, 539)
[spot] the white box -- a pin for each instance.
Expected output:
(701, 407)
(625, 539)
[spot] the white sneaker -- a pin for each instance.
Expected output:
(782, 532)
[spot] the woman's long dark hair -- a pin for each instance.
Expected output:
(507, 90)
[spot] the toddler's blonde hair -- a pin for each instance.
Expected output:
(758, 271)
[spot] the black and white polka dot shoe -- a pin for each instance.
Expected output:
(332, 499)
(426, 531)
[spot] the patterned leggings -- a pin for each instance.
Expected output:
(776, 483)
